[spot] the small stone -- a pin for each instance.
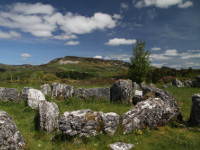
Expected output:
(121, 146)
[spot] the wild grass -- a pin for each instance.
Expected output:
(165, 138)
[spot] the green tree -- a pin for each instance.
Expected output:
(140, 63)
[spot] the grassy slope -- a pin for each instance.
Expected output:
(165, 138)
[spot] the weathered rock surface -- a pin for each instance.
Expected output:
(195, 111)
(188, 83)
(45, 89)
(122, 91)
(62, 90)
(121, 146)
(110, 122)
(143, 85)
(99, 93)
(24, 92)
(138, 97)
(34, 97)
(135, 86)
(149, 113)
(88, 123)
(48, 114)
(9, 94)
(177, 83)
(10, 136)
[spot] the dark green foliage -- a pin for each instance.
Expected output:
(74, 75)
(140, 63)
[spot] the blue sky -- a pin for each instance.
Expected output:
(36, 32)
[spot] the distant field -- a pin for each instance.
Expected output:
(165, 138)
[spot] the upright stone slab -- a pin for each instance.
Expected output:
(10, 136)
(62, 90)
(195, 111)
(9, 94)
(34, 97)
(45, 89)
(48, 116)
(121, 91)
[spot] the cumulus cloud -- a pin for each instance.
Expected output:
(25, 56)
(171, 52)
(98, 56)
(120, 41)
(123, 57)
(163, 3)
(156, 49)
(42, 20)
(72, 43)
(124, 5)
(9, 35)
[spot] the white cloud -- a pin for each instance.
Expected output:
(186, 4)
(123, 57)
(163, 3)
(124, 5)
(25, 56)
(120, 41)
(9, 35)
(159, 57)
(72, 43)
(159, 65)
(117, 16)
(156, 49)
(43, 20)
(171, 52)
(98, 56)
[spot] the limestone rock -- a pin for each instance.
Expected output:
(9, 94)
(138, 97)
(62, 90)
(10, 136)
(48, 116)
(122, 91)
(195, 111)
(135, 86)
(99, 93)
(34, 97)
(188, 83)
(143, 85)
(88, 123)
(24, 93)
(177, 83)
(150, 113)
(121, 146)
(45, 89)
(110, 122)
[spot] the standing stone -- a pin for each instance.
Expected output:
(121, 146)
(122, 91)
(110, 122)
(9, 94)
(24, 92)
(135, 86)
(88, 123)
(45, 89)
(177, 83)
(34, 97)
(10, 136)
(62, 90)
(48, 116)
(195, 111)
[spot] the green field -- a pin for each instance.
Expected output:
(165, 138)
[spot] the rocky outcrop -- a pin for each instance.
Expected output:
(34, 97)
(24, 92)
(45, 89)
(48, 114)
(150, 113)
(121, 146)
(99, 93)
(88, 123)
(10, 136)
(195, 111)
(177, 83)
(62, 90)
(122, 91)
(9, 94)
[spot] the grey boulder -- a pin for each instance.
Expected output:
(45, 89)
(62, 90)
(10, 136)
(48, 114)
(24, 92)
(188, 83)
(122, 91)
(121, 146)
(195, 110)
(34, 97)
(9, 94)
(177, 83)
